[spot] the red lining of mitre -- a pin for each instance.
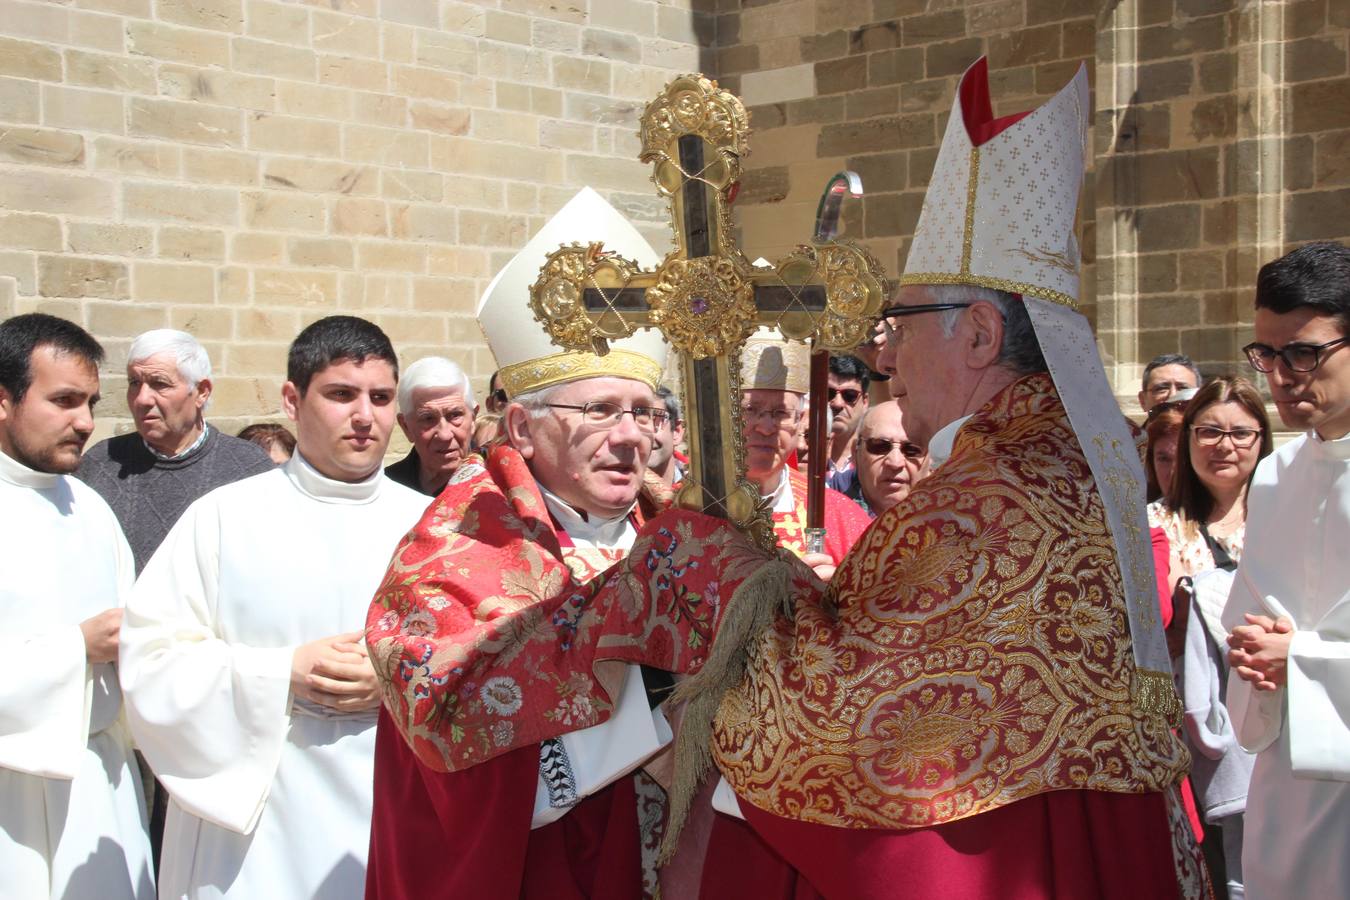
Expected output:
(976, 108)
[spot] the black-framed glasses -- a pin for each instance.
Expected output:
(850, 395)
(606, 414)
(1298, 357)
(1209, 436)
(498, 397)
(879, 446)
(895, 312)
(1166, 406)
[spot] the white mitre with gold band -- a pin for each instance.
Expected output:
(770, 363)
(999, 213)
(526, 358)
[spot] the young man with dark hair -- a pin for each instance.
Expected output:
(1289, 689)
(249, 688)
(1164, 376)
(72, 824)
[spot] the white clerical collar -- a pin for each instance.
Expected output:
(15, 472)
(781, 496)
(940, 446)
(1337, 448)
(582, 527)
(328, 490)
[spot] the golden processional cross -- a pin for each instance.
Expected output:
(705, 297)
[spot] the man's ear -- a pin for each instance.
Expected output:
(983, 340)
(6, 404)
(403, 426)
(517, 421)
(290, 400)
(203, 393)
(1141, 401)
(677, 433)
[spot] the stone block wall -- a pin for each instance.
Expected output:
(867, 85)
(1222, 142)
(239, 168)
(1220, 138)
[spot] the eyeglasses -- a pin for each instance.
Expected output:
(896, 312)
(850, 395)
(877, 446)
(1209, 436)
(1298, 357)
(1167, 388)
(778, 416)
(498, 397)
(605, 414)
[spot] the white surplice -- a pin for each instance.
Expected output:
(1297, 564)
(72, 820)
(597, 756)
(271, 796)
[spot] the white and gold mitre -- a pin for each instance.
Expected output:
(770, 363)
(1000, 208)
(526, 357)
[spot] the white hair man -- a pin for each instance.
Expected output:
(150, 476)
(540, 805)
(72, 823)
(436, 411)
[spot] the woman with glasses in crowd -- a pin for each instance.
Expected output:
(1224, 433)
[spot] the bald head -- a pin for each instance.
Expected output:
(888, 463)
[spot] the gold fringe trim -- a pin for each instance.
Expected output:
(750, 613)
(998, 284)
(534, 374)
(1155, 694)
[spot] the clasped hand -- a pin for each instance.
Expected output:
(335, 672)
(1259, 651)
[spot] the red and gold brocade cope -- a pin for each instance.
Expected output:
(488, 635)
(975, 651)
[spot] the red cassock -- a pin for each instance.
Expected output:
(438, 833)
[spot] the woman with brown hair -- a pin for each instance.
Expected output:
(1224, 434)
(1160, 459)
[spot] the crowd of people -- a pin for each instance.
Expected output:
(513, 663)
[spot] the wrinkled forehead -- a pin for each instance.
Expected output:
(625, 391)
(1172, 372)
(164, 364)
(768, 398)
(885, 421)
(438, 397)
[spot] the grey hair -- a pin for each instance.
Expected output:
(1021, 351)
(536, 402)
(432, 372)
(188, 353)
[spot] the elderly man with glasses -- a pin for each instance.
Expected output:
(887, 464)
(532, 524)
(1288, 615)
(775, 377)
